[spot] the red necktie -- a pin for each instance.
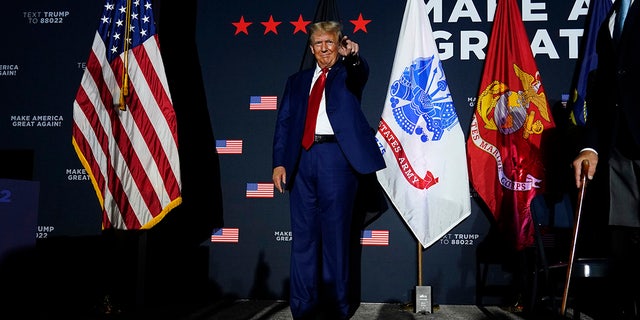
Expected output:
(312, 111)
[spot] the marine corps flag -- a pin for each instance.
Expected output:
(512, 113)
(420, 136)
(124, 125)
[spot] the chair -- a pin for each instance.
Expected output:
(490, 252)
(552, 235)
(545, 272)
(493, 254)
(522, 273)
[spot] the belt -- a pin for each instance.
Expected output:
(322, 138)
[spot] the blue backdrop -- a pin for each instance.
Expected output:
(214, 67)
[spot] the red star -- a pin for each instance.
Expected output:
(241, 26)
(360, 24)
(271, 25)
(301, 25)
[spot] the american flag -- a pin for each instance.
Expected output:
(374, 238)
(263, 103)
(124, 125)
(230, 235)
(260, 190)
(229, 146)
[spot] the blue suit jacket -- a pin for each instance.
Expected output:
(343, 92)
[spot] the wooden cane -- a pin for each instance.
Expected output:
(576, 226)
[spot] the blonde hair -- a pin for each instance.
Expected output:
(334, 27)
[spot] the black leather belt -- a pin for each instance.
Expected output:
(322, 138)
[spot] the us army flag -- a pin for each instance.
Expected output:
(420, 136)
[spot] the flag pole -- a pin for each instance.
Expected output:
(141, 269)
(125, 65)
(419, 264)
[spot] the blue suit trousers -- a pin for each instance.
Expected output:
(322, 202)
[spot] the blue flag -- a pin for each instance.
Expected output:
(598, 10)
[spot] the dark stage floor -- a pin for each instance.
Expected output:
(242, 309)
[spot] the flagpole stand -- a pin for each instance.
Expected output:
(141, 267)
(423, 293)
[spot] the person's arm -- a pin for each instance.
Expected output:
(357, 67)
(280, 137)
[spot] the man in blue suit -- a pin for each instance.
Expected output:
(323, 179)
(612, 147)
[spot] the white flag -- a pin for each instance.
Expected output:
(420, 136)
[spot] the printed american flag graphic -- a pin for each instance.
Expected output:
(124, 125)
(230, 235)
(229, 146)
(260, 190)
(263, 103)
(374, 238)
